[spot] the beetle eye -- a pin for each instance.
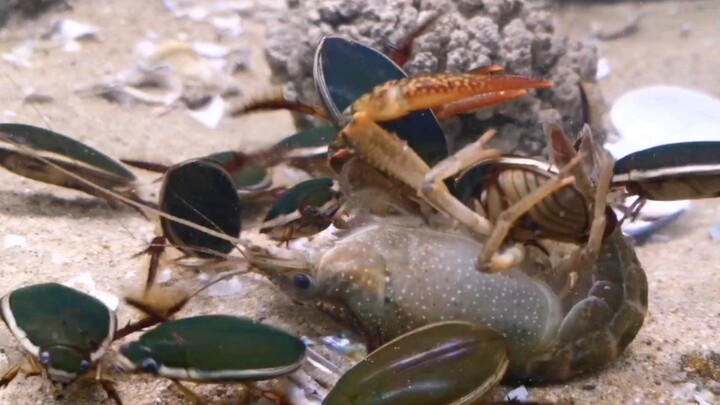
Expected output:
(150, 365)
(302, 281)
(44, 358)
(84, 366)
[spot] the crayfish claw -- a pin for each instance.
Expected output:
(461, 92)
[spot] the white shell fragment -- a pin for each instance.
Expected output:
(210, 50)
(57, 259)
(223, 15)
(344, 345)
(13, 241)
(230, 25)
(173, 72)
(658, 115)
(85, 283)
(226, 288)
(20, 55)
(603, 69)
(211, 113)
(69, 30)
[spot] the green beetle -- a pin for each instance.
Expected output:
(305, 209)
(62, 152)
(214, 349)
(413, 368)
(66, 342)
(202, 191)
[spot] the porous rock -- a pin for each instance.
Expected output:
(516, 34)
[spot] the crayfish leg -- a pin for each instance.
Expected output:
(602, 224)
(461, 160)
(392, 156)
(476, 103)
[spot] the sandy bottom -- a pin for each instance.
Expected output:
(56, 235)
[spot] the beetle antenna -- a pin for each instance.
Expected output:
(32, 105)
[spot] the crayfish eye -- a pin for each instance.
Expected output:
(302, 281)
(84, 366)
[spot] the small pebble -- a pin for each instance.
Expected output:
(343, 345)
(686, 392)
(679, 378)
(686, 30)
(603, 69)
(715, 231)
(713, 386)
(57, 259)
(588, 386)
(519, 394)
(704, 397)
(38, 98)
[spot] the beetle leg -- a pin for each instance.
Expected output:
(187, 392)
(10, 375)
(160, 308)
(397, 98)
(28, 367)
(633, 211)
(108, 386)
(155, 251)
(275, 100)
(392, 156)
(270, 395)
